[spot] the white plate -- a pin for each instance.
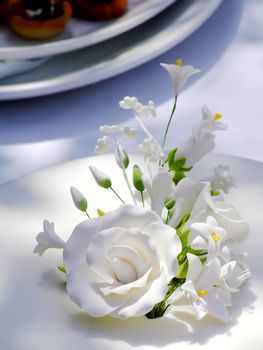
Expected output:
(87, 66)
(79, 33)
(35, 312)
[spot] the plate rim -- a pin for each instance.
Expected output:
(95, 73)
(117, 27)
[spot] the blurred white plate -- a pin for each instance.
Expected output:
(79, 33)
(36, 313)
(115, 56)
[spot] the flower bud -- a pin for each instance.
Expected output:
(102, 179)
(121, 157)
(169, 203)
(79, 200)
(137, 179)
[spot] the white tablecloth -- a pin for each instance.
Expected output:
(41, 132)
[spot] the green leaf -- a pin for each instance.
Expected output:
(177, 164)
(170, 157)
(137, 179)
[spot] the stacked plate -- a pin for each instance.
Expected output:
(90, 52)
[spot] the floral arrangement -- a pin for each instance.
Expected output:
(176, 247)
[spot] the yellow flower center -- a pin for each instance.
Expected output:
(217, 116)
(215, 236)
(202, 292)
(179, 62)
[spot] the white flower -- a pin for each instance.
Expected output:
(129, 102)
(186, 195)
(196, 147)
(120, 264)
(223, 179)
(232, 276)
(200, 291)
(152, 150)
(179, 75)
(48, 239)
(129, 132)
(211, 237)
(212, 121)
(141, 110)
(110, 129)
(194, 198)
(102, 144)
(146, 110)
(160, 189)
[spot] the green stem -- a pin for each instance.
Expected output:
(87, 214)
(169, 122)
(117, 195)
(167, 218)
(142, 198)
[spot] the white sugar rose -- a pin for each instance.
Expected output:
(120, 264)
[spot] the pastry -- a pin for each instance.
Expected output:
(97, 10)
(3, 10)
(40, 19)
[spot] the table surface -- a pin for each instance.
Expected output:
(41, 132)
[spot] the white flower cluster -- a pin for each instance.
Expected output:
(177, 247)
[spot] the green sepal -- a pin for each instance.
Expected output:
(105, 183)
(61, 268)
(178, 176)
(214, 193)
(100, 212)
(137, 179)
(187, 169)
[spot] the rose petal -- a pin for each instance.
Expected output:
(169, 245)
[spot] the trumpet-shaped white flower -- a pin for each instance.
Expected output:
(200, 291)
(212, 121)
(186, 194)
(179, 75)
(151, 150)
(196, 147)
(48, 239)
(102, 144)
(223, 179)
(194, 198)
(211, 237)
(161, 187)
(232, 276)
